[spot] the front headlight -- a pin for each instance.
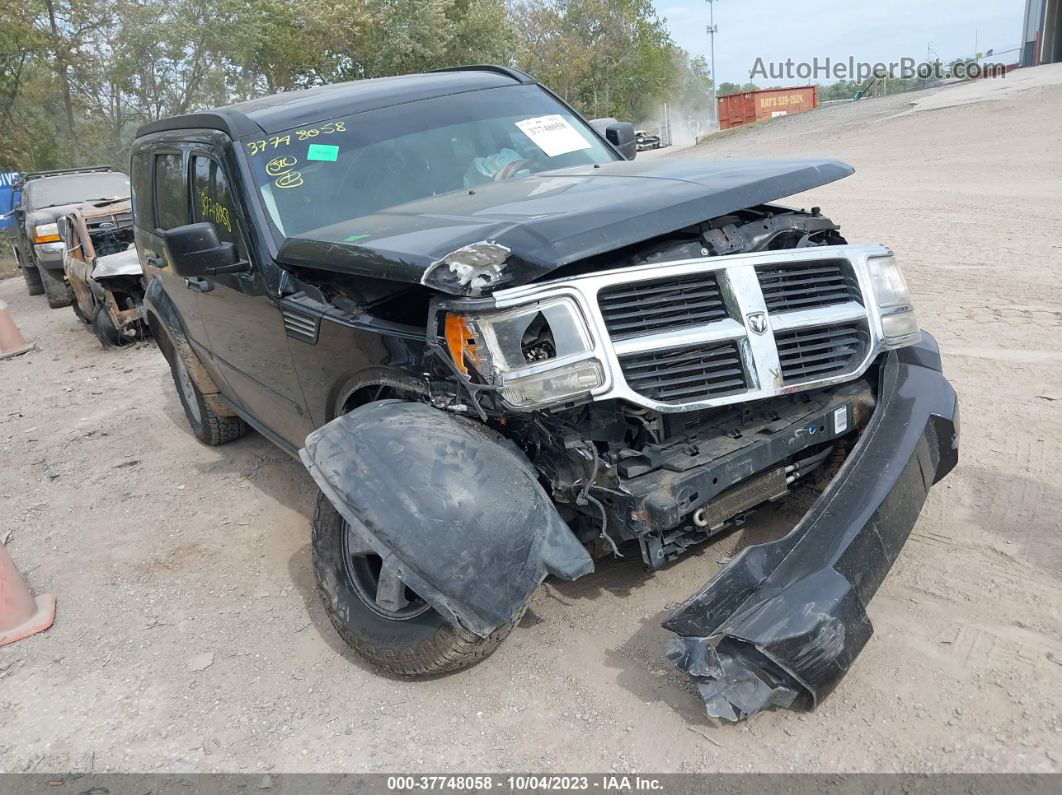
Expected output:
(899, 326)
(535, 355)
(46, 233)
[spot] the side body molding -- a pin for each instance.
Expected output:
(453, 507)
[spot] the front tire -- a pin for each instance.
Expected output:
(395, 632)
(34, 285)
(81, 315)
(56, 289)
(208, 426)
(106, 333)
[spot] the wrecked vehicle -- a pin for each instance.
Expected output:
(43, 198)
(502, 350)
(103, 270)
(646, 140)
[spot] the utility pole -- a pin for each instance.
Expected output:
(931, 63)
(712, 30)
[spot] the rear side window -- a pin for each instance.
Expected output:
(212, 199)
(141, 186)
(171, 203)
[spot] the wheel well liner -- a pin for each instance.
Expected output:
(452, 506)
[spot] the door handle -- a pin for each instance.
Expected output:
(199, 285)
(155, 260)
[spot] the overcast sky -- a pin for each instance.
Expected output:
(868, 31)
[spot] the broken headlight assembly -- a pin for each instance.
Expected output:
(533, 356)
(899, 326)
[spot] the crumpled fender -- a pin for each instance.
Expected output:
(453, 507)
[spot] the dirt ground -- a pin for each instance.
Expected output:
(189, 637)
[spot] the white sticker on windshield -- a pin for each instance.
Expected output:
(553, 135)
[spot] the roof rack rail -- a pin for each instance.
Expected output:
(515, 74)
(23, 178)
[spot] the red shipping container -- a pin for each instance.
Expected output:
(738, 109)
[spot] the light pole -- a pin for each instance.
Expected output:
(712, 29)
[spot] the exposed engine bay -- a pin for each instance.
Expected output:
(620, 472)
(669, 481)
(763, 228)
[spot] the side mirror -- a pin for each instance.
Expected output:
(618, 133)
(196, 251)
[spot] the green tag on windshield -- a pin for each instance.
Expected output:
(322, 152)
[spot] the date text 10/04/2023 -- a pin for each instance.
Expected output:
(564, 783)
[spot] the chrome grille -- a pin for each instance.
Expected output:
(685, 373)
(644, 307)
(808, 285)
(813, 353)
(773, 321)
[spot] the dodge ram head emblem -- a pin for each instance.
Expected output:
(757, 321)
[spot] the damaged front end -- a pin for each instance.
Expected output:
(666, 401)
(104, 271)
(786, 619)
(655, 395)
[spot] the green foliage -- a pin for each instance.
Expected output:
(77, 77)
(606, 57)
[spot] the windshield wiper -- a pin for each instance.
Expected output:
(102, 199)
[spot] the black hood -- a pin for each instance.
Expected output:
(542, 222)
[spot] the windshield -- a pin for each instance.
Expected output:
(320, 174)
(75, 188)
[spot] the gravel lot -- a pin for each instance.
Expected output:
(189, 637)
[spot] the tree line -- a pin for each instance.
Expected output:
(77, 77)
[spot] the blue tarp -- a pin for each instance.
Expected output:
(6, 179)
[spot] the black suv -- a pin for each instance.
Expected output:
(43, 198)
(502, 349)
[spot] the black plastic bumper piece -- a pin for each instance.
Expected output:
(787, 618)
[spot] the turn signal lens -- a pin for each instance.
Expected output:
(461, 341)
(46, 233)
(900, 326)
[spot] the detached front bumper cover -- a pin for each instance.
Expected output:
(787, 619)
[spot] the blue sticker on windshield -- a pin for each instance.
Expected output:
(322, 152)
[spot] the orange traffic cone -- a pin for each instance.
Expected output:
(20, 614)
(11, 340)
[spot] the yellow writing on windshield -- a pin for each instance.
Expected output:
(278, 141)
(278, 165)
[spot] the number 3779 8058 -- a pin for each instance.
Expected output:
(287, 139)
